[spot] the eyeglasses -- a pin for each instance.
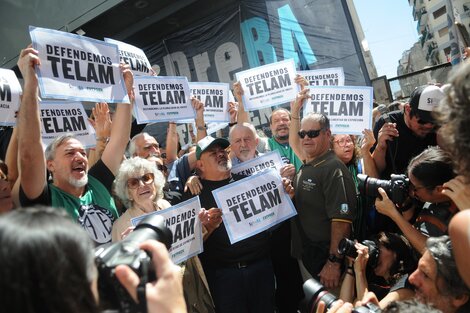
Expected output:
(162, 168)
(343, 141)
(134, 183)
(416, 188)
(313, 133)
(423, 122)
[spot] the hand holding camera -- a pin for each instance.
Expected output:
(164, 294)
(384, 205)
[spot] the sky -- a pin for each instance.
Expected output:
(389, 29)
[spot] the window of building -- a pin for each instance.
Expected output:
(443, 31)
(439, 12)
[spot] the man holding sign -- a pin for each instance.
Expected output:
(85, 197)
(244, 266)
(325, 197)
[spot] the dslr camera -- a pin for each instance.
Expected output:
(396, 188)
(113, 296)
(346, 247)
(316, 292)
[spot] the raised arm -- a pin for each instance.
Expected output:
(121, 129)
(296, 106)
(368, 141)
(31, 155)
(243, 116)
(102, 125)
(201, 131)
(11, 157)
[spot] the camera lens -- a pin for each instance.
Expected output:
(347, 247)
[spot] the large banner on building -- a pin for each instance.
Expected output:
(248, 34)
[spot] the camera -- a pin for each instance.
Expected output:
(316, 292)
(113, 295)
(396, 188)
(346, 247)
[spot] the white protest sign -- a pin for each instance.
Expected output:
(268, 85)
(162, 99)
(253, 204)
(77, 68)
(133, 56)
(268, 160)
(60, 117)
(184, 223)
(333, 76)
(10, 90)
(213, 127)
(349, 108)
(215, 97)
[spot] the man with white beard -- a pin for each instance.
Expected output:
(83, 193)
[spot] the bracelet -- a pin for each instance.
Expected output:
(202, 127)
(232, 124)
(295, 117)
(350, 267)
(350, 273)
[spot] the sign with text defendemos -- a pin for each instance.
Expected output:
(77, 68)
(333, 76)
(183, 221)
(268, 160)
(268, 85)
(215, 97)
(133, 56)
(60, 117)
(162, 99)
(349, 108)
(10, 90)
(253, 204)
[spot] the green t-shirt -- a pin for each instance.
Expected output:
(95, 211)
(286, 153)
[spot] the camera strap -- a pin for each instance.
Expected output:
(141, 297)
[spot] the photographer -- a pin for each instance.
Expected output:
(381, 265)
(47, 265)
(427, 173)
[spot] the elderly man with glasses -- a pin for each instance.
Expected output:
(325, 197)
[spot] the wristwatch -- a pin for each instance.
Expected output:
(334, 259)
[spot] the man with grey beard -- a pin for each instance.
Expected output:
(84, 194)
(240, 275)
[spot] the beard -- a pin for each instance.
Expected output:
(78, 183)
(225, 165)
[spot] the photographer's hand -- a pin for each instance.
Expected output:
(165, 295)
(385, 206)
(338, 306)
(458, 190)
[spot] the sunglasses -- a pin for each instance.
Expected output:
(423, 122)
(162, 168)
(146, 179)
(310, 133)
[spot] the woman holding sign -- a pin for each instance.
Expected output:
(139, 185)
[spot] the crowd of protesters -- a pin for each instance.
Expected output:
(400, 249)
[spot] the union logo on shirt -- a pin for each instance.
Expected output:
(97, 221)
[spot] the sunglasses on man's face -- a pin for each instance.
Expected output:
(313, 133)
(423, 122)
(134, 183)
